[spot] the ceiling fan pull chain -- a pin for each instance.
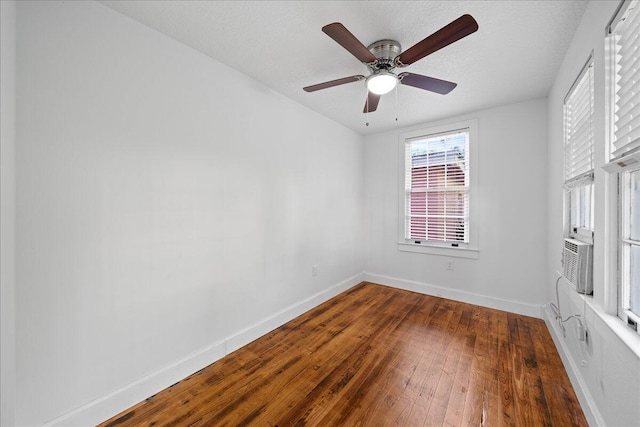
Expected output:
(366, 91)
(396, 104)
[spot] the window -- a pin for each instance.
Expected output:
(624, 134)
(625, 39)
(579, 142)
(436, 190)
(630, 243)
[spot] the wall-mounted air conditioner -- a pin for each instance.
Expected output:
(578, 265)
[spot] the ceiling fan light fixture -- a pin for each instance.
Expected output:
(381, 82)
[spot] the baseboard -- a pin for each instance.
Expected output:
(456, 294)
(588, 404)
(113, 403)
(270, 323)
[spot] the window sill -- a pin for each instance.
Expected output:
(469, 253)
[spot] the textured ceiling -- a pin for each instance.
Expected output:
(514, 55)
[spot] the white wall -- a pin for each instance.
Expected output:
(509, 273)
(7, 210)
(169, 209)
(608, 384)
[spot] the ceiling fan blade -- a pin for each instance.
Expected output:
(371, 104)
(332, 83)
(446, 35)
(427, 83)
(344, 38)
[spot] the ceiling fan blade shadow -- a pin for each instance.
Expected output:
(371, 104)
(344, 38)
(332, 83)
(432, 84)
(446, 35)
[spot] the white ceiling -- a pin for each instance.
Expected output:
(513, 56)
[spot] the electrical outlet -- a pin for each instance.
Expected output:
(582, 332)
(314, 270)
(449, 264)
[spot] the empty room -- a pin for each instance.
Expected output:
(321, 213)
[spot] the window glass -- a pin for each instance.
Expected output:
(437, 188)
(634, 204)
(581, 207)
(634, 291)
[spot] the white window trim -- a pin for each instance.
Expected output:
(470, 250)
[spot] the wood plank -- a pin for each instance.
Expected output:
(521, 387)
(464, 345)
(472, 414)
(445, 369)
(505, 388)
(380, 356)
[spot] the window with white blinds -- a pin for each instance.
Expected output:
(578, 127)
(624, 55)
(625, 46)
(578, 157)
(437, 188)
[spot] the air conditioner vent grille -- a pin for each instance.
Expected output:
(568, 244)
(570, 259)
(578, 266)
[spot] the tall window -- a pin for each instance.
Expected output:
(437, 181)
(624, 39)
(578, 139)
(437, 188)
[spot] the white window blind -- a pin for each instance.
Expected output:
(437, 187)
(578, 127)
(625, 44)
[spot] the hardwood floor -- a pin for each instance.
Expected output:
(378, 356)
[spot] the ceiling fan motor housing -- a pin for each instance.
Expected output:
(385, 51)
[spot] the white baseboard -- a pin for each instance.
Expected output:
(113, 403)
(588, 404)
(456, 294)
(270, 323)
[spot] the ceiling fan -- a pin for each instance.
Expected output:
(382, 58)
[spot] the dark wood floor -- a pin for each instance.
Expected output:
(377, 356)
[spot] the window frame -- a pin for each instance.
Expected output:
(623, 160)
(625, 243)
(462, 250)
(577, 231)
